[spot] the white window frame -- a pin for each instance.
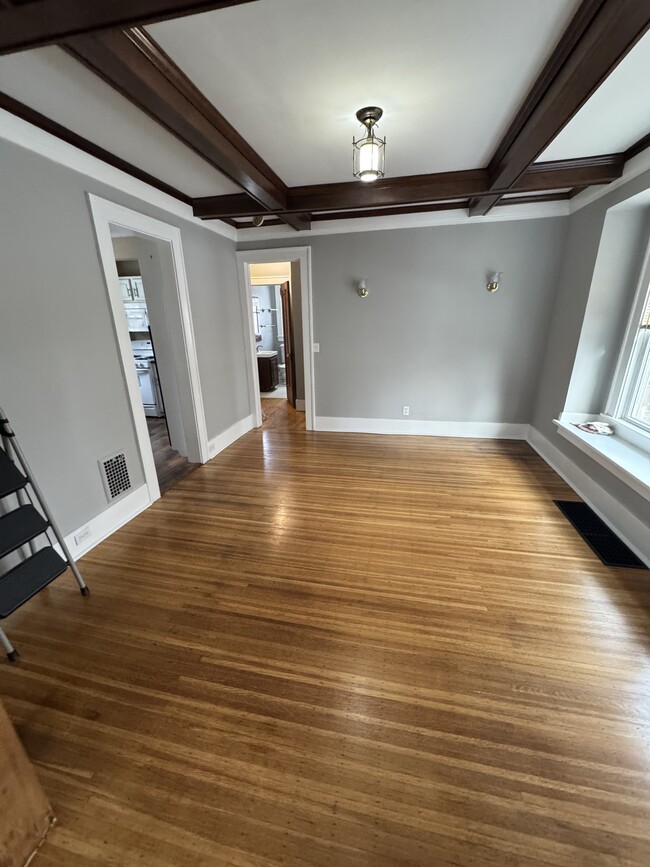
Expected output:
(629, 368)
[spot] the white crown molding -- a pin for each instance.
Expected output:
(632, 169)
(458, 217)
(416, 427)
(26, 135)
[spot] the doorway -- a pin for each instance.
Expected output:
(276, 303)
(141, 263)
(168, 313)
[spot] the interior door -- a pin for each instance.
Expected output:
(289, 355)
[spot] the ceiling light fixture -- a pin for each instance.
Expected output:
(368, 153)
(258, 220)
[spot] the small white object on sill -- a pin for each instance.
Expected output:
(594, 427)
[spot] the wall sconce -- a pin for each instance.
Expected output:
(493, 281)
(362, 289)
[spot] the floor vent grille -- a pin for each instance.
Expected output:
(603, 542)
(115, 475)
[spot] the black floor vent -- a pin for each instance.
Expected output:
(603, 542)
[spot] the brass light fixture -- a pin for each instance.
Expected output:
(369, 152)
(362, 289)
(493, 281)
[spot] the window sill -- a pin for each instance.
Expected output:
(623, 460)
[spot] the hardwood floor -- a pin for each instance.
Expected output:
(171, 467)
(343, 650)
(279, 415)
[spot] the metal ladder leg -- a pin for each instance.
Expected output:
(12, 653)
(9, 436)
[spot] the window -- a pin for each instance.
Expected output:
(635, 402)
(630, 398)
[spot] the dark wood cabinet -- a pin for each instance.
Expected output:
(267, 369)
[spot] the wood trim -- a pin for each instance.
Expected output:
(409, 193)
(534, 199)
(600, 35)
(637, 148)
(19, 109)
(567, 44)
(585, 172)
(45, 22)
(138, 69)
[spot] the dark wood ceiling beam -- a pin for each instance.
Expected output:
(135, 65)
(418, 189)
(600, 35)
(45, 22)
(8, 103)
(561, 174)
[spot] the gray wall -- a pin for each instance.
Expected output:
(578, 274)
(60, 377)
(429, 335)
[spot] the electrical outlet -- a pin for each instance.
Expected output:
(406, 410)
(82, 535)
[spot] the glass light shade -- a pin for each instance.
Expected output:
(368, 158)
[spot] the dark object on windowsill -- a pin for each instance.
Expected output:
(603, 542)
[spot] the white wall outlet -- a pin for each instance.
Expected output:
(82, 535)
(316, 347)
(406, 410)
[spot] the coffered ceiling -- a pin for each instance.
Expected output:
(290, 75)
(247, 107)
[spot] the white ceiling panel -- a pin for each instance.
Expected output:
(290, 75)
(59, 87)
(615, 117)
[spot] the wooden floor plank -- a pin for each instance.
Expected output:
(171, 466)
(340, 649)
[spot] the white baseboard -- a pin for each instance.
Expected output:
(107, 522)
(300, 405)
(626, 525)
(230, 435)
(414, 427)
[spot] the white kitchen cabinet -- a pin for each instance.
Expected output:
(132, 288)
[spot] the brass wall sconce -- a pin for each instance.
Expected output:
(493, 281)
(362, 289)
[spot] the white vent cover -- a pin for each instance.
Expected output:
(115, 475)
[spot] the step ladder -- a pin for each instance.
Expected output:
(20, 525)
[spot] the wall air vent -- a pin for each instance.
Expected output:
(115, 475)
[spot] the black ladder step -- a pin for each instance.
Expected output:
(20, 526)
(30, 576)
(11, 479)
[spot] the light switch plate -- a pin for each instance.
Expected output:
(316, 347)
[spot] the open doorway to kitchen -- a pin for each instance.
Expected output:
(276, 295)
(142, 260)
(142, 263)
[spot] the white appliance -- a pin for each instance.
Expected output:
(145, 366)
(136, 316)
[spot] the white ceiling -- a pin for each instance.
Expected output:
(290, 74)
(615, 117)
(59, 87)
